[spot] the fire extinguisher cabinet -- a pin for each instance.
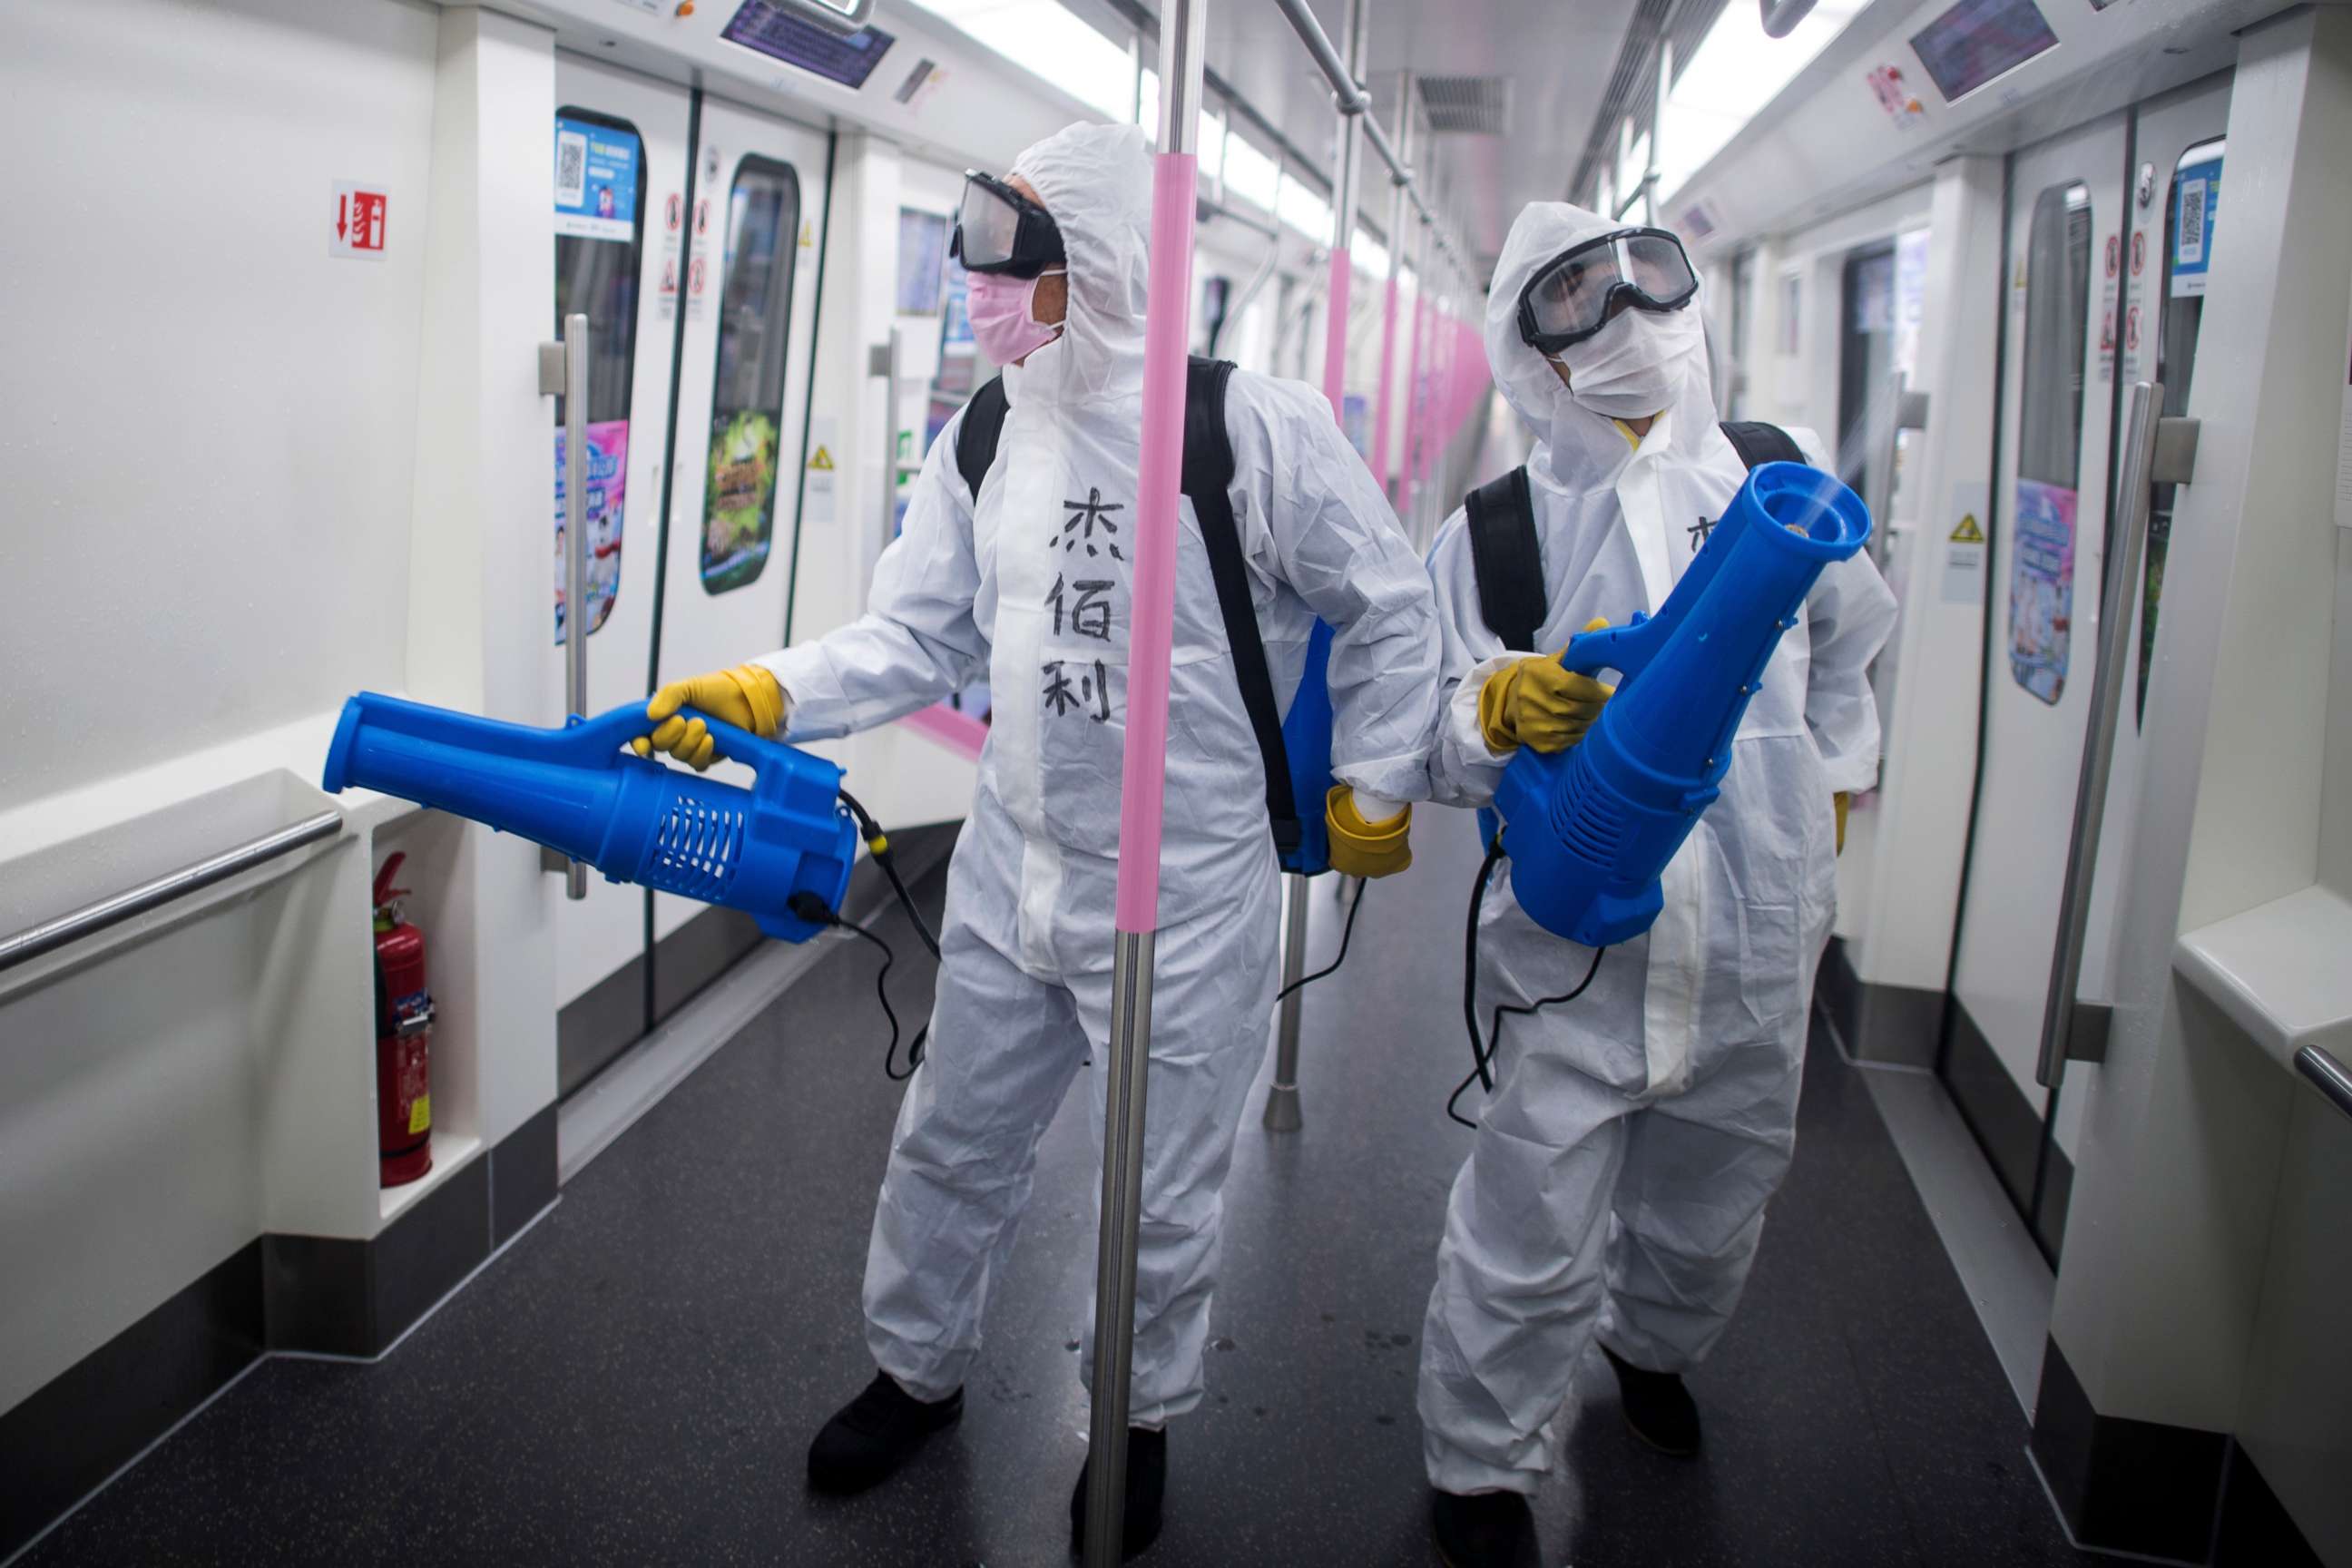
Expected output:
(403, 1040)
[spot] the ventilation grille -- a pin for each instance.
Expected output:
(1467, 105)
(1590, 820)
(694, 849)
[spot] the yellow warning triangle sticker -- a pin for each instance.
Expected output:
(808, 235)
(822, 461)
(1968, 532)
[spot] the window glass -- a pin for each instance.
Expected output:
(2050, 438)
(747, 402)
(2188, 240)
(1250, 173)
(599, 229)
(1865, 357)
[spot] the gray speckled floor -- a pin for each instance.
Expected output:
(636, 1380)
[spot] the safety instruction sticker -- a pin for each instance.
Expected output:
(2196, 200)
(1963, 582)
(818, 483)
(595, 180)
(360, 212)
(2041, 588)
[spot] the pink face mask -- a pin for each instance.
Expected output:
(1002, 323)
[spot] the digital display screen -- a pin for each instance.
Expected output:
(778, 34)
(1978, 40)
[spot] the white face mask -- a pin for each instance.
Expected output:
(1633, 366)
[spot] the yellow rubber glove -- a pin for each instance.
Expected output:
(1360, 849)
(1537, 703)
(1840, 801)
(747, 697)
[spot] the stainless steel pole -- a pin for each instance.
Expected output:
(576, 616)
(1175, 184)
(1282, 1109)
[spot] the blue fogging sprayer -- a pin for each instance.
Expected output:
(578, 791)
(1588, 830)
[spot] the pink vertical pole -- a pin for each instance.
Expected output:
(1335, 334)
(1381, 400)
(1415, 413)
(1167, 335)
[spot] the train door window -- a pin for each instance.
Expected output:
(747, 400)
(1865, 356)
(2188, 215)
(1743, 311)
(600, 200)
(2050, 437)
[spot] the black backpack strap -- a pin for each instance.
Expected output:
(1208, 473)
(1507, 561)
(1758, 443)
(983, 422)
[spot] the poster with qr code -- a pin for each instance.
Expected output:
(595, 180)
(2195, 201)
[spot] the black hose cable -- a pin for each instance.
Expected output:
(1346, 931)
(1483, 1051)
(877, 843)
(882, 994)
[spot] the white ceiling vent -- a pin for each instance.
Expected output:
(1467, 105)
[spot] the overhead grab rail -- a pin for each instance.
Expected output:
(2327, 1075)
(91, 918)
(1355, 103)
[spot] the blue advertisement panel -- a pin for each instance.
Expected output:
(595, 180)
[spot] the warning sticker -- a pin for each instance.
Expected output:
(821, 461)
(420, 1115)
(1963, 579)
(1968, 532)
(359, 221)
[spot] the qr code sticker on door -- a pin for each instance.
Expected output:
(570, 168)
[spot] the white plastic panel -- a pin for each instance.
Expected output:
(213, 419)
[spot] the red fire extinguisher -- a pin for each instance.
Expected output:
(403, 1040)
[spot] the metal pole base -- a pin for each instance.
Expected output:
(1282, 1114)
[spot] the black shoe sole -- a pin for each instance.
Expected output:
(855, 1488)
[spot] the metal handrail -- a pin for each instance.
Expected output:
(91, 918)
(2324, 1070)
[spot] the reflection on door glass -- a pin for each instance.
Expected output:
(1865, 357)
(2189, 216)
(2050, 439)
(600, 200)
(747, 402)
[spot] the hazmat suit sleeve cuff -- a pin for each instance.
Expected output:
(1467, 770)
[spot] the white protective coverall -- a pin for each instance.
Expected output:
(1619, 1171)
(1031, 586)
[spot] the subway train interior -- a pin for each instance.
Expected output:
(437, 1128)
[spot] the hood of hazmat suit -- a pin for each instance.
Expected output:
(1636, 1132)
(1027, 585)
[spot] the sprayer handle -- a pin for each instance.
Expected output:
(594, 741)
(1625, 649)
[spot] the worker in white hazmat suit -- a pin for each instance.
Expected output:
(1617, 1179)
(1028, 584)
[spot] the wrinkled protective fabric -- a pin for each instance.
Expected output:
(1638, 362)
(1030, 586)
(1003, 312)
(1618, 1180)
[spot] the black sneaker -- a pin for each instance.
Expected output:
(1657, 1408)
(869, 1437)
(1147, 1483)
(1486, 1529)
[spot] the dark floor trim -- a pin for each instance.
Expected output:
(1890, 1025)
(302, 1294)
(697, 953)
(2008, 1127)
(2255, 1531)
(97, 1416)
(2123, 1485)
(600, 1024)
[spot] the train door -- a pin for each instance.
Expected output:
(744, 441)
(2066, 199)
(619, 150)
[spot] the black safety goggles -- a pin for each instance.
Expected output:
(1577, 292)
(999, 230)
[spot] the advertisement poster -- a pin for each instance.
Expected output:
(738, 518)
(922, 261)
(2196, 201)
(2041, 588)
(595, 181)
(608, 475)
